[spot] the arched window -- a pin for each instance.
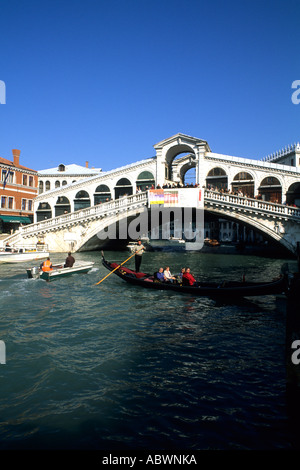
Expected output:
(243, 184)
(43, 211)
(82, 200)
(61, 167)
(47, 186)
(102, 194)
(62, 206)
(217, 179)
(293, 195)
(57, 184)
(41, 187)
(145, 180)
(270, 189)
(123, 187)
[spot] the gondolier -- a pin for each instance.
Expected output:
(139, 250)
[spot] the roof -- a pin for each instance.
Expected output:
(70, 170)
(4, 161)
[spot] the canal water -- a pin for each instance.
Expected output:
(116, 367)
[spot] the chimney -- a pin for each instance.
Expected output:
(16, 154)
(86, 164)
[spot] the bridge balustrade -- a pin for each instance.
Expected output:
(257, 204)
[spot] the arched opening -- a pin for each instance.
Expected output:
(174, 157)
(145, 180)
(57, 184)
(61, 167)
(47, 186)
(41, 187)
(102, 194)
(217, 179)
(123, 188)
(62, 206)
(43, 211)
(82, 200)
(293, 195)
(243, 184)
(270, 189)
(64, 183)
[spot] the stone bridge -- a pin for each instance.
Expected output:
(263, 194)
(95, 227)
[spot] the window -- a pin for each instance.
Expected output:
(3, 202)
(10, 202)
(30, 205)
(23, 204)
(31, 181)
(10, 176)
(24, 180)
(47, 185)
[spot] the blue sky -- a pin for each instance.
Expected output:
(104, 81)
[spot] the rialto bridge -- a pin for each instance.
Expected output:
(262, 194)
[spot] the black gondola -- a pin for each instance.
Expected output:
(208, 289)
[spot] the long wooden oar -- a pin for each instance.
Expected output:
(119, 266)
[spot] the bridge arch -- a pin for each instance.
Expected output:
(177, 152)
(82, 200)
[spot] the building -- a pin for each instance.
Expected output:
(18, 188)
(63, 175)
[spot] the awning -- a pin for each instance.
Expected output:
(13, 219)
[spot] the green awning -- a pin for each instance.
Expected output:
(13, 219)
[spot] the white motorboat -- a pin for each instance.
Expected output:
(59, 271)
(20, 254)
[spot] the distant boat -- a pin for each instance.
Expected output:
(59, 271)
(20, 254)
(168, 244)
(223, 288)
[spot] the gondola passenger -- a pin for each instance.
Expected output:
(188, 279)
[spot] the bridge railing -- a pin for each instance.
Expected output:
(250, 203)
(103, 210)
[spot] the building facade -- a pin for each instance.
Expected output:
(18, 188)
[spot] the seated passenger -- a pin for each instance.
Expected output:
(160, 275)
(187, 278)
(181, 274)
(168, 275)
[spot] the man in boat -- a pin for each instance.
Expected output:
(139, 250)
(160, 275)
(70, 260)
(187, 278)
(47, 265)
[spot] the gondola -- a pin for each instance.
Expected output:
(207, 289)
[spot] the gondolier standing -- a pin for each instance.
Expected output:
(139, 250)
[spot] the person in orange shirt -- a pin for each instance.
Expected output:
(47, 265)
